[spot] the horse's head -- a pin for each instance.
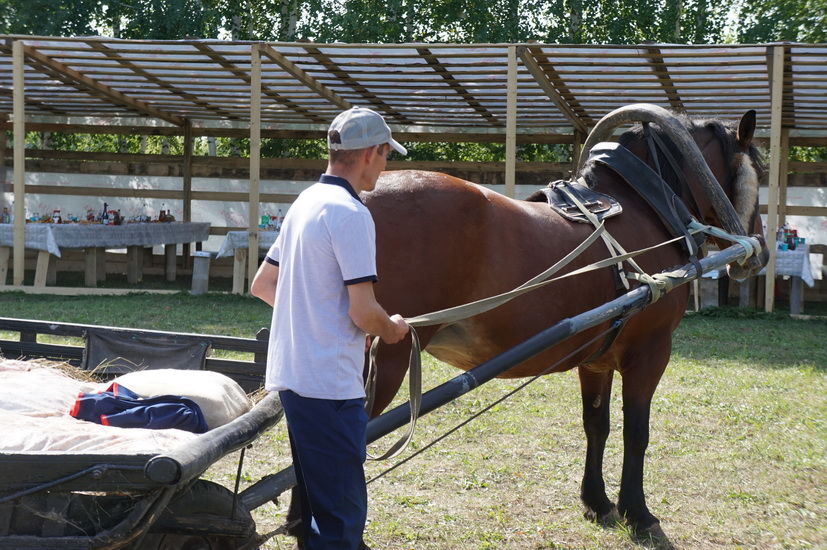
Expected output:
(719, 164)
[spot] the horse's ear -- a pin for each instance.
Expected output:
(746, 129)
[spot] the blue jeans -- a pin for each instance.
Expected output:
(327, 438)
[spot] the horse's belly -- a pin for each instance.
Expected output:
(460, 345)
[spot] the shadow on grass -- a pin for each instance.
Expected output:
(727, 336)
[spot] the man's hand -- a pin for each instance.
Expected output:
(400, 329)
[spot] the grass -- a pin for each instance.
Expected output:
(736, 456)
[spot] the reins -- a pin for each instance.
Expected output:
(659, 284)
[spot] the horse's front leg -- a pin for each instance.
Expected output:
(639, 384)
(596, 390)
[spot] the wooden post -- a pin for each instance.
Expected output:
(134, 264)
(255, 160)
(783, 176)
(51, 272)
(4, 264)
(511, 124)
(576, 150)
(186, 172)
(90, 271)
(776, 111)
(3, 147)
(169, 258)
(19, 165)
(101, 264)
(41, 272)
(239, 268)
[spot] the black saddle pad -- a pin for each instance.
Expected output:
(601, 205)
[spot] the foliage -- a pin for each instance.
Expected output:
(782, 20)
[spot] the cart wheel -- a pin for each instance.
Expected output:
(187, 542)
(201, 518)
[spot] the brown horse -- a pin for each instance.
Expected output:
(442, 242)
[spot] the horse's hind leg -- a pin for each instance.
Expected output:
(596, 389)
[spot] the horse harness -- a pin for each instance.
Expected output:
(576, 201)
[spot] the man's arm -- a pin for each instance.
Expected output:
(368, 315)
(264, 283)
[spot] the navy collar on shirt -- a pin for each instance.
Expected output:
(341, 182)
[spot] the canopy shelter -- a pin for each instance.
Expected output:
(533, 93)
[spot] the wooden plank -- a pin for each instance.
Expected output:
(308, 80)
(775, 55)
(242, 75)
(528, 56)
(19, 165)
(255, 160)
(810, 211)
(150, 77)
(80, 291)
(96, 87)
(455, 85)
(393, 115)
(661, 70)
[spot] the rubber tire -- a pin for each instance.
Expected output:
(202, 501)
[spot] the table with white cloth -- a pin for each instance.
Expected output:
(794, 264)
(236, 244)
(49, 239)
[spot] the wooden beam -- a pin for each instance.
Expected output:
(775, 55)
(19, 109)
(255, 160)
(389, 112)
(810, 211)
(661, 70)
(242, 75)
(299, 74)
(96, 88)
(439, 135)
(530, 63)
(113, 54)
(448, 76)
(511, 124)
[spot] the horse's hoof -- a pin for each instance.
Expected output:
(608, 517)
(654, 536)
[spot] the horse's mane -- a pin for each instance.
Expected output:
(725, 132)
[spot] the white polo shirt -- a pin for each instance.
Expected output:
(327, 241)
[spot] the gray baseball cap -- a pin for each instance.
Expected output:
(360, 128)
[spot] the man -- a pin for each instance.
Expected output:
(319, 277)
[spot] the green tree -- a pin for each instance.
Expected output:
(781, 20)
